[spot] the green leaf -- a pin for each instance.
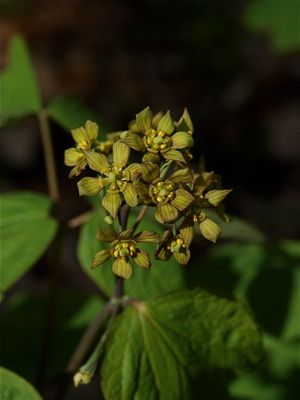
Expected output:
(71, 113)
(19, 89)
(162, 278)
(237, 229)
(23, 316)
(279, 19)
(157, 347)
(255, 388)
(14, 387)
(27, 230)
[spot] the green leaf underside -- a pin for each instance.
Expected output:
(27, 230)
(24, 314)
(14, 387)
(19, 89)
(162, 278)
(157, 348)
(279, 19)
(71, 113)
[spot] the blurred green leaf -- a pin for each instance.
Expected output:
(27, 230)
(157, 347)
(71, 113)
(20, 94)
(237, 229)
(254, 387)
(279, 19)
(24, 316)
(163, 277)
(14, 387)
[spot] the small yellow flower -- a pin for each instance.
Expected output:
(115, 174)
(160, 137)
(84, 137)
(124, 249)
(176, 245)
(169, 198)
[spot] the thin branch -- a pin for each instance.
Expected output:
(49, 155)
(80, 219)
(139, 218)
(89, 336)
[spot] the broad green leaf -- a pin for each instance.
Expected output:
(19, 89)
(254, 387)
(237, 229)
(27, 230)
(71, 113)
(279, 19)
(157, 347)
(14, 387)
(24, 316)
(162, 278)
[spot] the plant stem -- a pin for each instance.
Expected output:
(140, 217)
(80, 219)
(49, 155)
(88, 337)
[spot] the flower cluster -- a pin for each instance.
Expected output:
(149, 165)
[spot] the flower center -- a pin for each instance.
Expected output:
(176, 246)
(163, 192)
(156, 141)
(200, 217)
(124, 250)
(83, 145)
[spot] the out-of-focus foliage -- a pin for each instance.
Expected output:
(20, 94)
(279, 19)
(27, 230)
(16, 388)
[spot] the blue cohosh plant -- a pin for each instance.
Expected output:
(149, 166)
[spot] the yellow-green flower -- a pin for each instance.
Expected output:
(208, 195)
(85, 137)
(160, 137)
(124, 249)
(170, 199)
(116, 174)
(176, 245)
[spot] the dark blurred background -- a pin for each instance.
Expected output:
(119, 56)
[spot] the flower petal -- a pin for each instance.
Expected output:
(182, 140)
(174, 155)
(106, 235)
(72, 156)
(166, 213)
(127, 234)
(79, 135)
(97, 162)
(142, 259)
(92, 130)
(146, 237)
(89, 186)
(183, 257)
(185, 123)
(187, 231)
(151, 157)
(182, 199)
(144, 119)
(134, 170)
(130, 195)
(101, 257)
(216, 196)
(134, 141)
(166, 124)
(181, 175)
(150, 171)
(122, 268)
(121, 153)
(210, 230)
(112, 202)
